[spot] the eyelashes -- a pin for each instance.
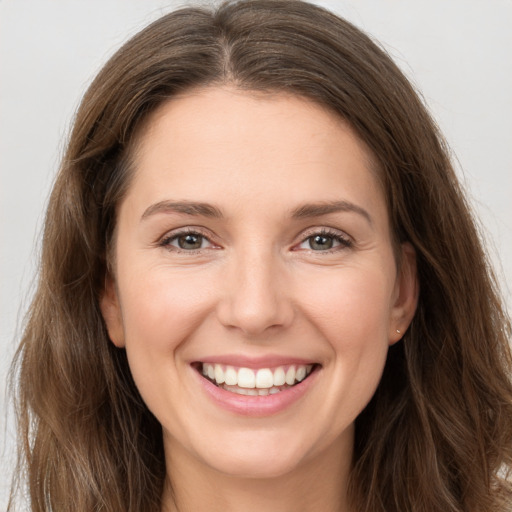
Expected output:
(193, 240)
(325, 240)
(187, 240)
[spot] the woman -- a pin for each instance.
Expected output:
(252, 293)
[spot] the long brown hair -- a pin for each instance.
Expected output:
(436, 437)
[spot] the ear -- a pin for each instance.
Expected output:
(111, 311)
(405, 295)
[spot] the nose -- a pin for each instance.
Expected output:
(256, 296)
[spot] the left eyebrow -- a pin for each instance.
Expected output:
(325, 208)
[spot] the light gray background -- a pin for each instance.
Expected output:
(457, 52)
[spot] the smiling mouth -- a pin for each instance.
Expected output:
(260, 382)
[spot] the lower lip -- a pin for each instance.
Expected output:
(266, 405)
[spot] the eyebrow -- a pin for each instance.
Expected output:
(326, 208)
(207, 210)
(184, 207)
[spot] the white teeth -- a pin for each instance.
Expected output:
(279, 377)
(253, 392)
(219, 374)
(230, 376)
(246, 378)
(265, 379)
(301, 373)
(290, 376)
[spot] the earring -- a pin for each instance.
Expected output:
(398, 331)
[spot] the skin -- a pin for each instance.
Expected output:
(256, 287)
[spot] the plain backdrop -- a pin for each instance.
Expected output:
(457, 52)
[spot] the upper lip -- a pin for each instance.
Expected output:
(244, 361)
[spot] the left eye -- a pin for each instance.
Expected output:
(324, 242)
(187, 241)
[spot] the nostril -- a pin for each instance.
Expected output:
(255, 319)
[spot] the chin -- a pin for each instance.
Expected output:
(262, 465)
(257, 453)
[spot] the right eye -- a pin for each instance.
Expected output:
(186, 241)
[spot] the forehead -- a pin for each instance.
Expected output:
(234, 144)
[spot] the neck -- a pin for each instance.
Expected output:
(319, 484)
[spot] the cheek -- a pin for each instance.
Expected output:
(161, 311)
(350, 306)
(351, 312)
(162, 307)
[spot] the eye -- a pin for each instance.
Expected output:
(187, 241)
(190, 241)
(324, 241)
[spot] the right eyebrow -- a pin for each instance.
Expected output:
(183, 207)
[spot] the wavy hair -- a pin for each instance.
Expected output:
(437, 435)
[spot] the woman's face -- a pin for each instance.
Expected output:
(254, 246)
